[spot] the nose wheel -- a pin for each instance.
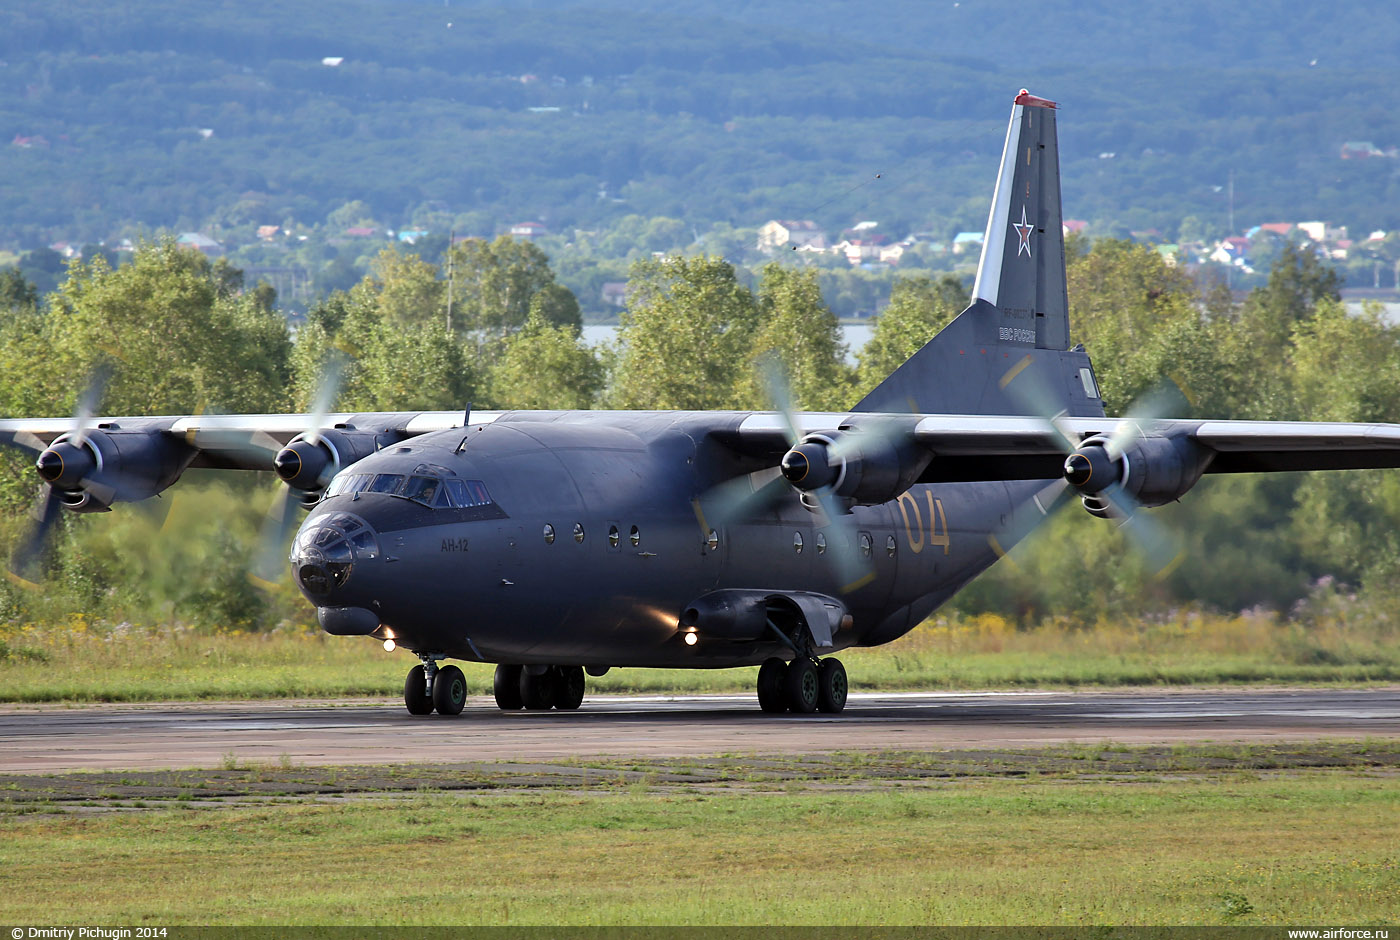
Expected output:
(430, 688)
(803, 686)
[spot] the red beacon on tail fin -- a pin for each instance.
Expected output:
(1031, 101)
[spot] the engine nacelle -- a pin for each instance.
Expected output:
(1153, 470)
(89, 472)
(866, 467)
(310, 460)
(744, 615)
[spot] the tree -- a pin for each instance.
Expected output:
(686, 335)
(799, 328)
(178, 335)
(919, 307)
(494, 284)
(17, 293)
(546, 367)
(1141, 321)
(1255, 346)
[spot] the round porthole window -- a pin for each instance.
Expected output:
(548, 534)
(636, 536)
(578, 532)
(613, 536)
(797, 542)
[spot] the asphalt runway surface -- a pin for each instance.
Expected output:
(55, 738)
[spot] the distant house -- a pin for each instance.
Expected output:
(966, 241)
(890, 254)
(615, 293)
(29, 143)
(528, 230)
(197, 242)
(1169, 254)
(410, 236)
(1073, 226)
(1278, 228)
(860, 250)
(790, 233)
(268, 232)
(361, 231)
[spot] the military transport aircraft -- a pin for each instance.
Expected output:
(557, 542)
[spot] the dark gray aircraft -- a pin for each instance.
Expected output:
(558, 542)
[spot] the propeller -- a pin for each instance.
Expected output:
(62, 465)
(1092, 469)
(746, 496)
(283, 517)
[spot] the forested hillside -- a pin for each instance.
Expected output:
(473, 116)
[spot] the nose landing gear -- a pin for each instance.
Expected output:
(429, 688)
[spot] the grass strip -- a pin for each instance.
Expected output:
(1228, 847)
(85, 662)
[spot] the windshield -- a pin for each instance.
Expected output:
(430, 490)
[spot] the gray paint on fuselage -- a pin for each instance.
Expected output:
(494, 587)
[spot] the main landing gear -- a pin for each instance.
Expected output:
(538, 688)
(802, 686)
(430, 688)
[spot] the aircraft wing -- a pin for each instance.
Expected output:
(991, 447)
(238, 442)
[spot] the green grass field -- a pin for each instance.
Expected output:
(1229, 845)
(87, 662)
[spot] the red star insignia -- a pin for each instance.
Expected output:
(1023, 234)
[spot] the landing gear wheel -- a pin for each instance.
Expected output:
(506, 685)
(800, 686)
(537, 692)
(568, 687)
(831, 686)
(449, 691)
(771, 676)
(415, 693)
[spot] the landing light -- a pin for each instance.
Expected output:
(691, 639)
(389, 646)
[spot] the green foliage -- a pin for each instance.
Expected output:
(919, 307)
(798, 328)
(174, 328)
(497, 284)
(182, 333)
(687, 332)
(546, 367)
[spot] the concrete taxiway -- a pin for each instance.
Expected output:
(54, 738)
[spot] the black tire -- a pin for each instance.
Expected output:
(415, 692)
(800, 686)
(506, 685)
(537, 692)
(831, 686)
(568, 687)
(772, 676)
(449, 691)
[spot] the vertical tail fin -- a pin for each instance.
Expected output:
(1019, 315)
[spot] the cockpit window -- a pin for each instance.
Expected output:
(385, 483)
(421, 489)
(468, 493)
(430, 490)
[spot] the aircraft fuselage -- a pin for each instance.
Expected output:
(590, 544)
